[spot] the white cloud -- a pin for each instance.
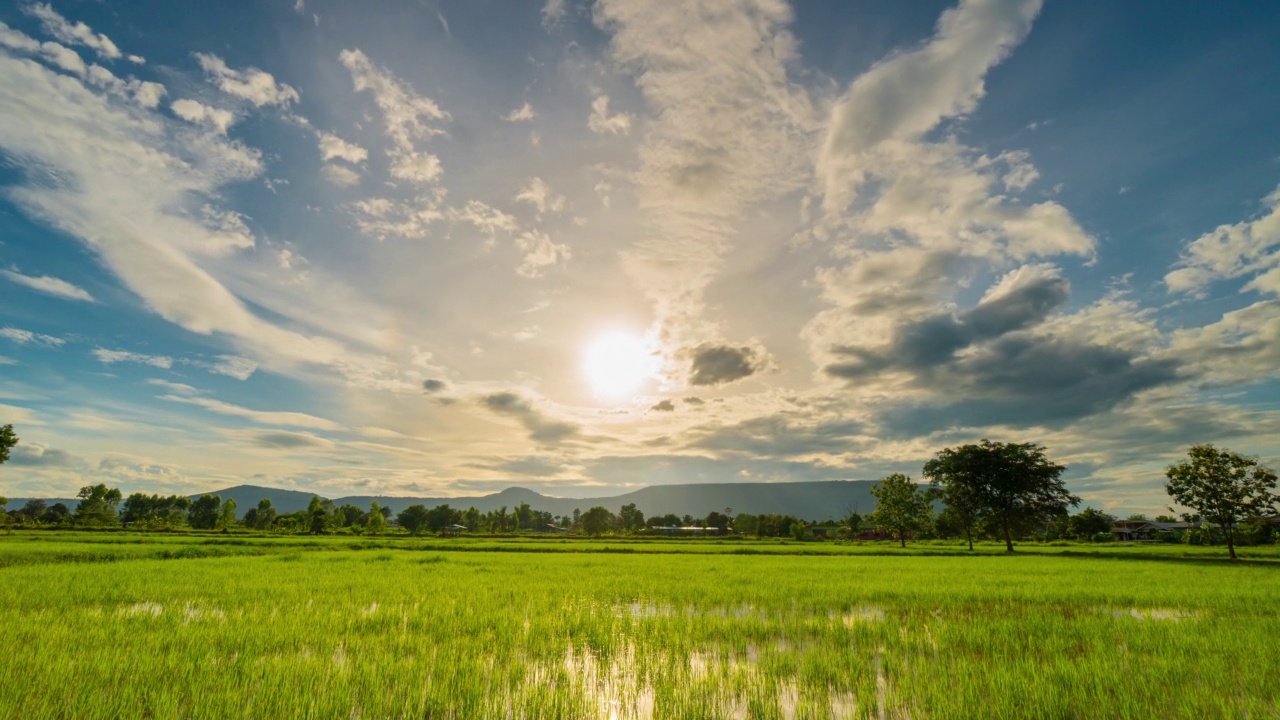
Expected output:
(340, 175)
(553, 12)
(64, 57)
(17, 40)
(73, 33)
(383, 218)
(1231, 251)
(600, 121)
(523, 113)
(234, 366)
(108, 357)
(603, 188)
(696, 179)
(538, 194)
(228, 231)
(332, 146)
(262, 417)
(908, 94)
(26, 337)
(145, 93)
(254, 85)
(540, 252)
(132, 182)
(408, 116)
(416, 167)
(486, 219)
(200, 114)
(49, 285)
(173, 387)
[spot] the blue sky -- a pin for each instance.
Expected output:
(444, 248)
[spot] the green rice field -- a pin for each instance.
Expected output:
(118, 625)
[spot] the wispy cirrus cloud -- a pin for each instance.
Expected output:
(108, 357)
(26, 337)
(49, 285)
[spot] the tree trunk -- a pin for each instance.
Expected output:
(902, 537)
(1008, 540)
(1231, 544)
(968, 534)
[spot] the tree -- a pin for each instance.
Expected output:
(375, 522)
(264, 516)
(7, 440)
(32, 510)
(717, 520)
(745, 524)
(442, 516)
(318, 516)
(154, 511)
(413, 518)
(204, 512)
(1088, 523)
(596, 520)
(57, 514)
(901, 505)
(97, 505)
(227, 517)
(471, 518)
(629, 518)
(523, 516)
(1012, 486)
(1224, 487)
(854, 522)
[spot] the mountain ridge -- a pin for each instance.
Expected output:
(809, 500)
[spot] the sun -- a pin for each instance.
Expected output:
(617, 363)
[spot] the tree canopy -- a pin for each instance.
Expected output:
(8, 438)
(1223, 487)
(413, 518)
(901, 505)
(97, 505)
(204, 512)
(597, 520)
(1014, 486)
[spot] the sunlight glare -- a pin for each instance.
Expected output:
(617, 363)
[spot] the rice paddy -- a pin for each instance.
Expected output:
(115, 625)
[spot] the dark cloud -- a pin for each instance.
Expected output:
(1022, 380)
(718, 364)
(283, 439)
(664, 406)
(433, 385)
(541, 428)
(694, 401)
(934, 341)
(33, 455)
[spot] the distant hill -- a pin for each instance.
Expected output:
(808, 500)
(248, 496)
(828, 500)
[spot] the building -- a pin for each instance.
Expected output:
(686, 531)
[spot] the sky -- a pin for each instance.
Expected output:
(446, 247)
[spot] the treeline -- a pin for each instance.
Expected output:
(1003, 491)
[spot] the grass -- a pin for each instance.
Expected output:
(206, 626)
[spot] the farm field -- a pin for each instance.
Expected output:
(117, 625)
